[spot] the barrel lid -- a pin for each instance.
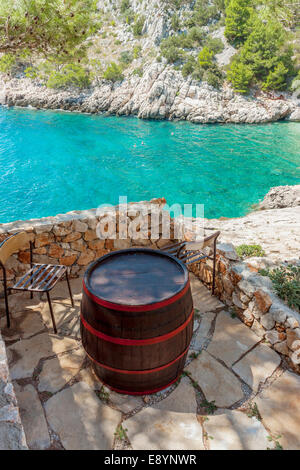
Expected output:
(136, 277)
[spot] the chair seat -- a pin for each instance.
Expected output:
(186, 256)
(41, 278)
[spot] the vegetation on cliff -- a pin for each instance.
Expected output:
(73, 42)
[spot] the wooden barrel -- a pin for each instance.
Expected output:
(137, 319)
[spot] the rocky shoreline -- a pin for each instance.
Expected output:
(280, 197)
(161, 93)
(274, 225)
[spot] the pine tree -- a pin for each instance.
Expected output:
(238, 14)
(265, 48)
(46, 26)
(276, 80)
(240, 75)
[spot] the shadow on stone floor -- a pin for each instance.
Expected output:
(57, 390)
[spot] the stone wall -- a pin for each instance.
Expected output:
(12, 435)
(251, 297)
(71, 239)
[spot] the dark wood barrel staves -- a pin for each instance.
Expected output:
(137, 319)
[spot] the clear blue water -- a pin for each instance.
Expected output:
(54, 162)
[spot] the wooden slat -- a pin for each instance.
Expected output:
(43, 279)
(31, 275)
(41, 274)
(40, 278)
(192, 256)
(195, 260)
(174, 247)
(56, 276)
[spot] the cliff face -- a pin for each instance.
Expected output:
(161, 92)
(157, 25)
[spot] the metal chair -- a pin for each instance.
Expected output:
(40, 278)
(192, 252)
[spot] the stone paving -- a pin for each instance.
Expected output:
(235, 393)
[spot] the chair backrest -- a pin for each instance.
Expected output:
(199, 245)
(12, 245)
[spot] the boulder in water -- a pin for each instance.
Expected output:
(281, 196)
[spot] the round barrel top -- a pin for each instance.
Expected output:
(136, 277)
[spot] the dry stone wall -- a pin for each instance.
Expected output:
(252, 298)
(71, 239)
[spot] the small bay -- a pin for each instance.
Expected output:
(54, 162)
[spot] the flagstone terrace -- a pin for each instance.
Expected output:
(235, 393)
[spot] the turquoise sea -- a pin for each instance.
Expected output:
(54, 162)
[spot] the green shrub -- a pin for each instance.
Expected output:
(171, 50)
(183, 41)
(137, 51)
(214, 77)
(129, 16)
(175, 22)
(205, 58)
(138, 25)
(69, 75)
(198, 73)
(204, 68)
(295, 86)
(96, 69)
(286, 282)
(126, 11)
(214, 44)
(195, 35)
(138, 71)
(126, 57)
(44, 69)
(171, 41)
(125, 5)
(31, 72)
(247, 251)
(176, 4)
(203, 14)
(240, 75)
(189, 67)
(221, 4)
(7, 63)
(113, 73)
